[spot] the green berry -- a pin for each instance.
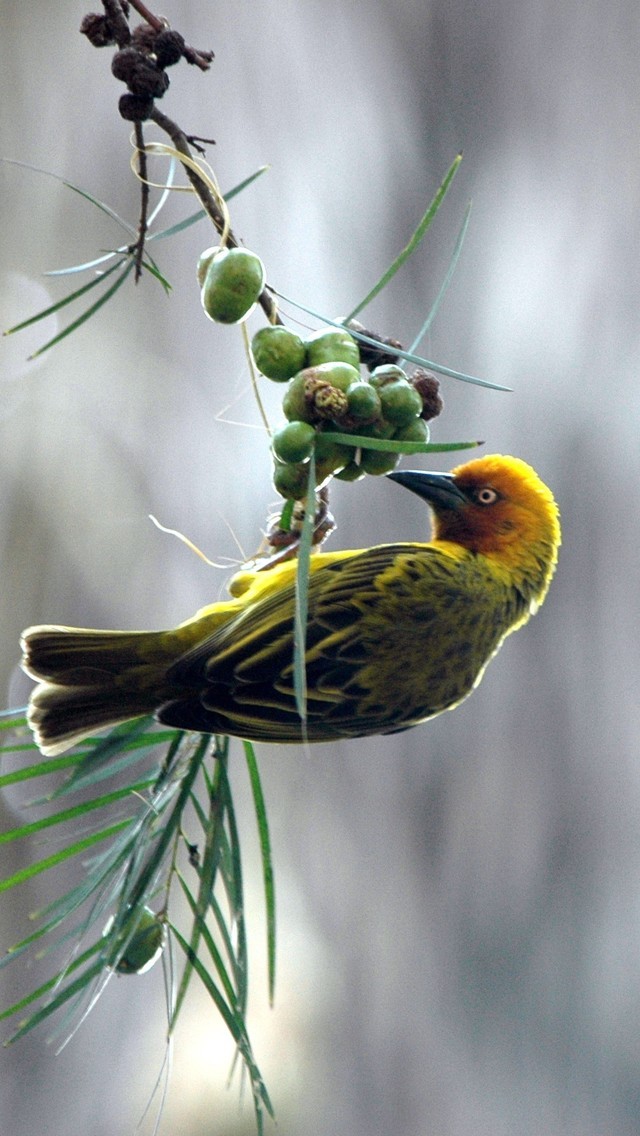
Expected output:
(332, 345)
(378, 462)
(351, 472)
(145, 945)
(294, 442)
(400, 402)
(233, 283)
(278, 352)
(416, 431)
(363, 403)
(388, 373)
(295, 404)
(291, 481)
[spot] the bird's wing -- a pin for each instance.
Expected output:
(366, 616)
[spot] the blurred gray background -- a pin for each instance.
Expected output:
(459, 906)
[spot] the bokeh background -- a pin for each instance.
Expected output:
(459, 906)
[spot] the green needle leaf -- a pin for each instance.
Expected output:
(388, 445)
(59, 857)
(267, 864)
(302, 592)
(412, 245)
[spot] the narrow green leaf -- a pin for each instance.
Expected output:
(286, 516)
(413, 243)
(75, 269)
(232, 878)
(101, 205)
(102, 757)
(245, 183)
(65, 300)
(90, 311)
(65, 994)
(302, 593)
(101, 874)
(80, 810)
(38, 769)
(408, 356)
(76, 189)
(60, 856)
(388, 444)
(267, 864)
(47, 986)
(216, 956)
(12, 719)
(154, 271)
(447, 280)
(200, 214)
(235, 1025)
(209, 858)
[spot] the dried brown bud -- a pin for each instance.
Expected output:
(135, 108)
(124, 63)
(373, 357)
(428, 388)
(169, 47)
(144, 38)
(330, 402)
(140, 72)
(97, 29)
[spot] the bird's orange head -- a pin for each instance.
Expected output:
(497, 507)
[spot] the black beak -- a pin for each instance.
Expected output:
(438, 489)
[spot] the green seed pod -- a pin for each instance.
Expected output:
(363, 403)
(204, 260)
(378, 462)
(389, 373)
(351, 472)
(294, 442)
(235, 278)
(400, 402)
(295, 404)
(331, 345)
(291, 481)
(416, 431)
(278, 352)
(145, 946)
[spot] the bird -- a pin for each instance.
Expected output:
(395, 634)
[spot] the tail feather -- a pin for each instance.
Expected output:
(90, 680)
(61, 716)
(73, 656)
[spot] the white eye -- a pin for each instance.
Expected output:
(486, 496)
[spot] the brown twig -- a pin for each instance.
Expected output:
(117, 22)
(144, 200)
(280, 544)
(202, 59)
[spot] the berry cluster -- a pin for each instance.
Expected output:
(327, 393)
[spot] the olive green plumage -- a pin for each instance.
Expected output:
(395, 633)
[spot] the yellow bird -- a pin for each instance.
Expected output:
(396, 633)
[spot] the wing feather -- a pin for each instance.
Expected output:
(374, 618)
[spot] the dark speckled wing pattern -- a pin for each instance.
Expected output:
(395, 634)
